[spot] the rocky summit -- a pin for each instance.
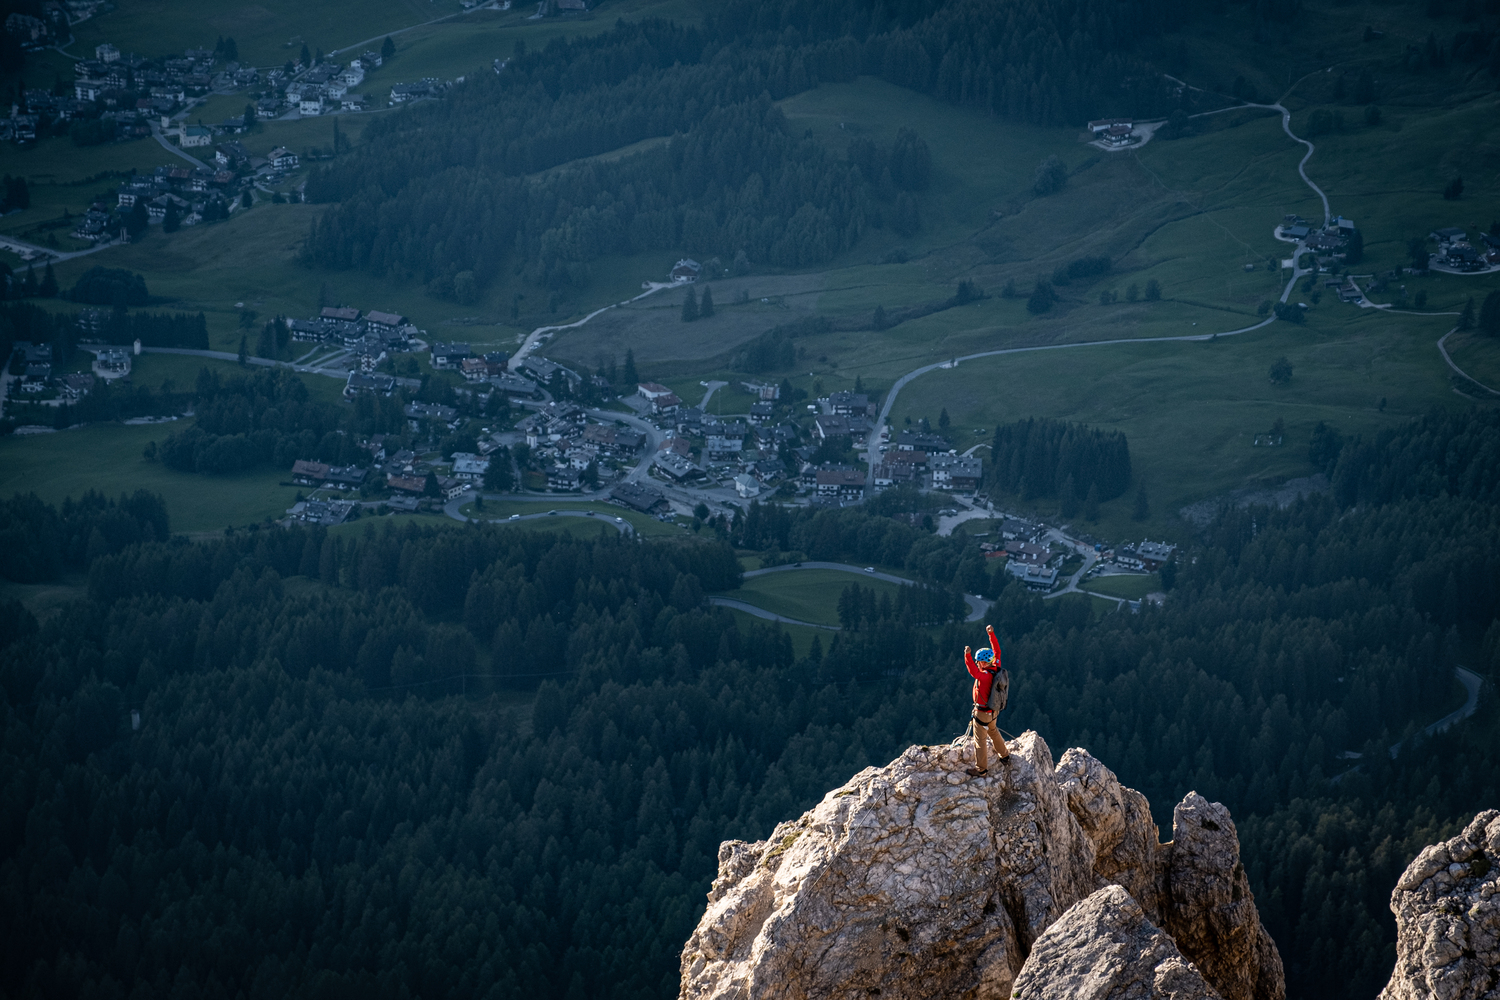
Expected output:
(1447, 906)
(914, 881)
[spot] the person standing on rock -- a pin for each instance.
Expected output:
(991, 686)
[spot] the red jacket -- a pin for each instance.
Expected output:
(983, 678)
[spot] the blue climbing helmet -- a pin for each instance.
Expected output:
(985, 655)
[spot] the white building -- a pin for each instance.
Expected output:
(746, 486)
(194, 135)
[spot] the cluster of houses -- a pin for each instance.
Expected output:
(699, 444)
(925, 459)
(128, 92)
(33, 33)
(161, 86)
(401, 475)
(1027, 555)
(34, 106)
(567, 445)
(757, 454)
(320, 88)
(492, 369)
(1456, 252)
(1031, 560)
(1145, 557)
(370, 337)
(196, 195)
(32, 363)
(325, 512)
(1327, 243)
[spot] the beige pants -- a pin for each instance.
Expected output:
(984, 726)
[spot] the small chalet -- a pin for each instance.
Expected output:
(309, 473)
(636, 496)
(369, 382)
(686, 270)
(448, 355)
(847, 484)
(339, 314)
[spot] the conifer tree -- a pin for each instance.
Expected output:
(706, 307)
(690, 306)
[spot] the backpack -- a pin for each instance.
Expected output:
(999, 691)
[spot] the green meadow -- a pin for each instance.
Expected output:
(499, 511)
(1191, 410)
(809, 595)
(107, 458)
(1132, 588)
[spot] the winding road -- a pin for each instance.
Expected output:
(534, 338)
(1443, 350)
(1472, 683)
(872, 452)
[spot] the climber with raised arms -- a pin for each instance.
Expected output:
(991, 686)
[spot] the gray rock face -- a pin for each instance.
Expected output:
(1194, 887)
(917, 881)
(1209, 909)
(1118, 820)
(1447, 907)
(1104, 948)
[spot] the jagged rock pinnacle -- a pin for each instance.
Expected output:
(1447, 907)
(913, 880)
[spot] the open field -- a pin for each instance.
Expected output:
(1191, 410)
(1102, 606)
(654, 330)
(802, 635)
(266, 33)
(107, 457)
(810, 595)
(181, 370)
(1130, 587)
(496, 512)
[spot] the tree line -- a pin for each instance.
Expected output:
(268, 417)
(1042, 457)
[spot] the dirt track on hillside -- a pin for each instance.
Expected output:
(653, 327)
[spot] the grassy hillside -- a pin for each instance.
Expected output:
(1191, 410)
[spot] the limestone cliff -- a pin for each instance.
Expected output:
(915, 881)
(1447, 907)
